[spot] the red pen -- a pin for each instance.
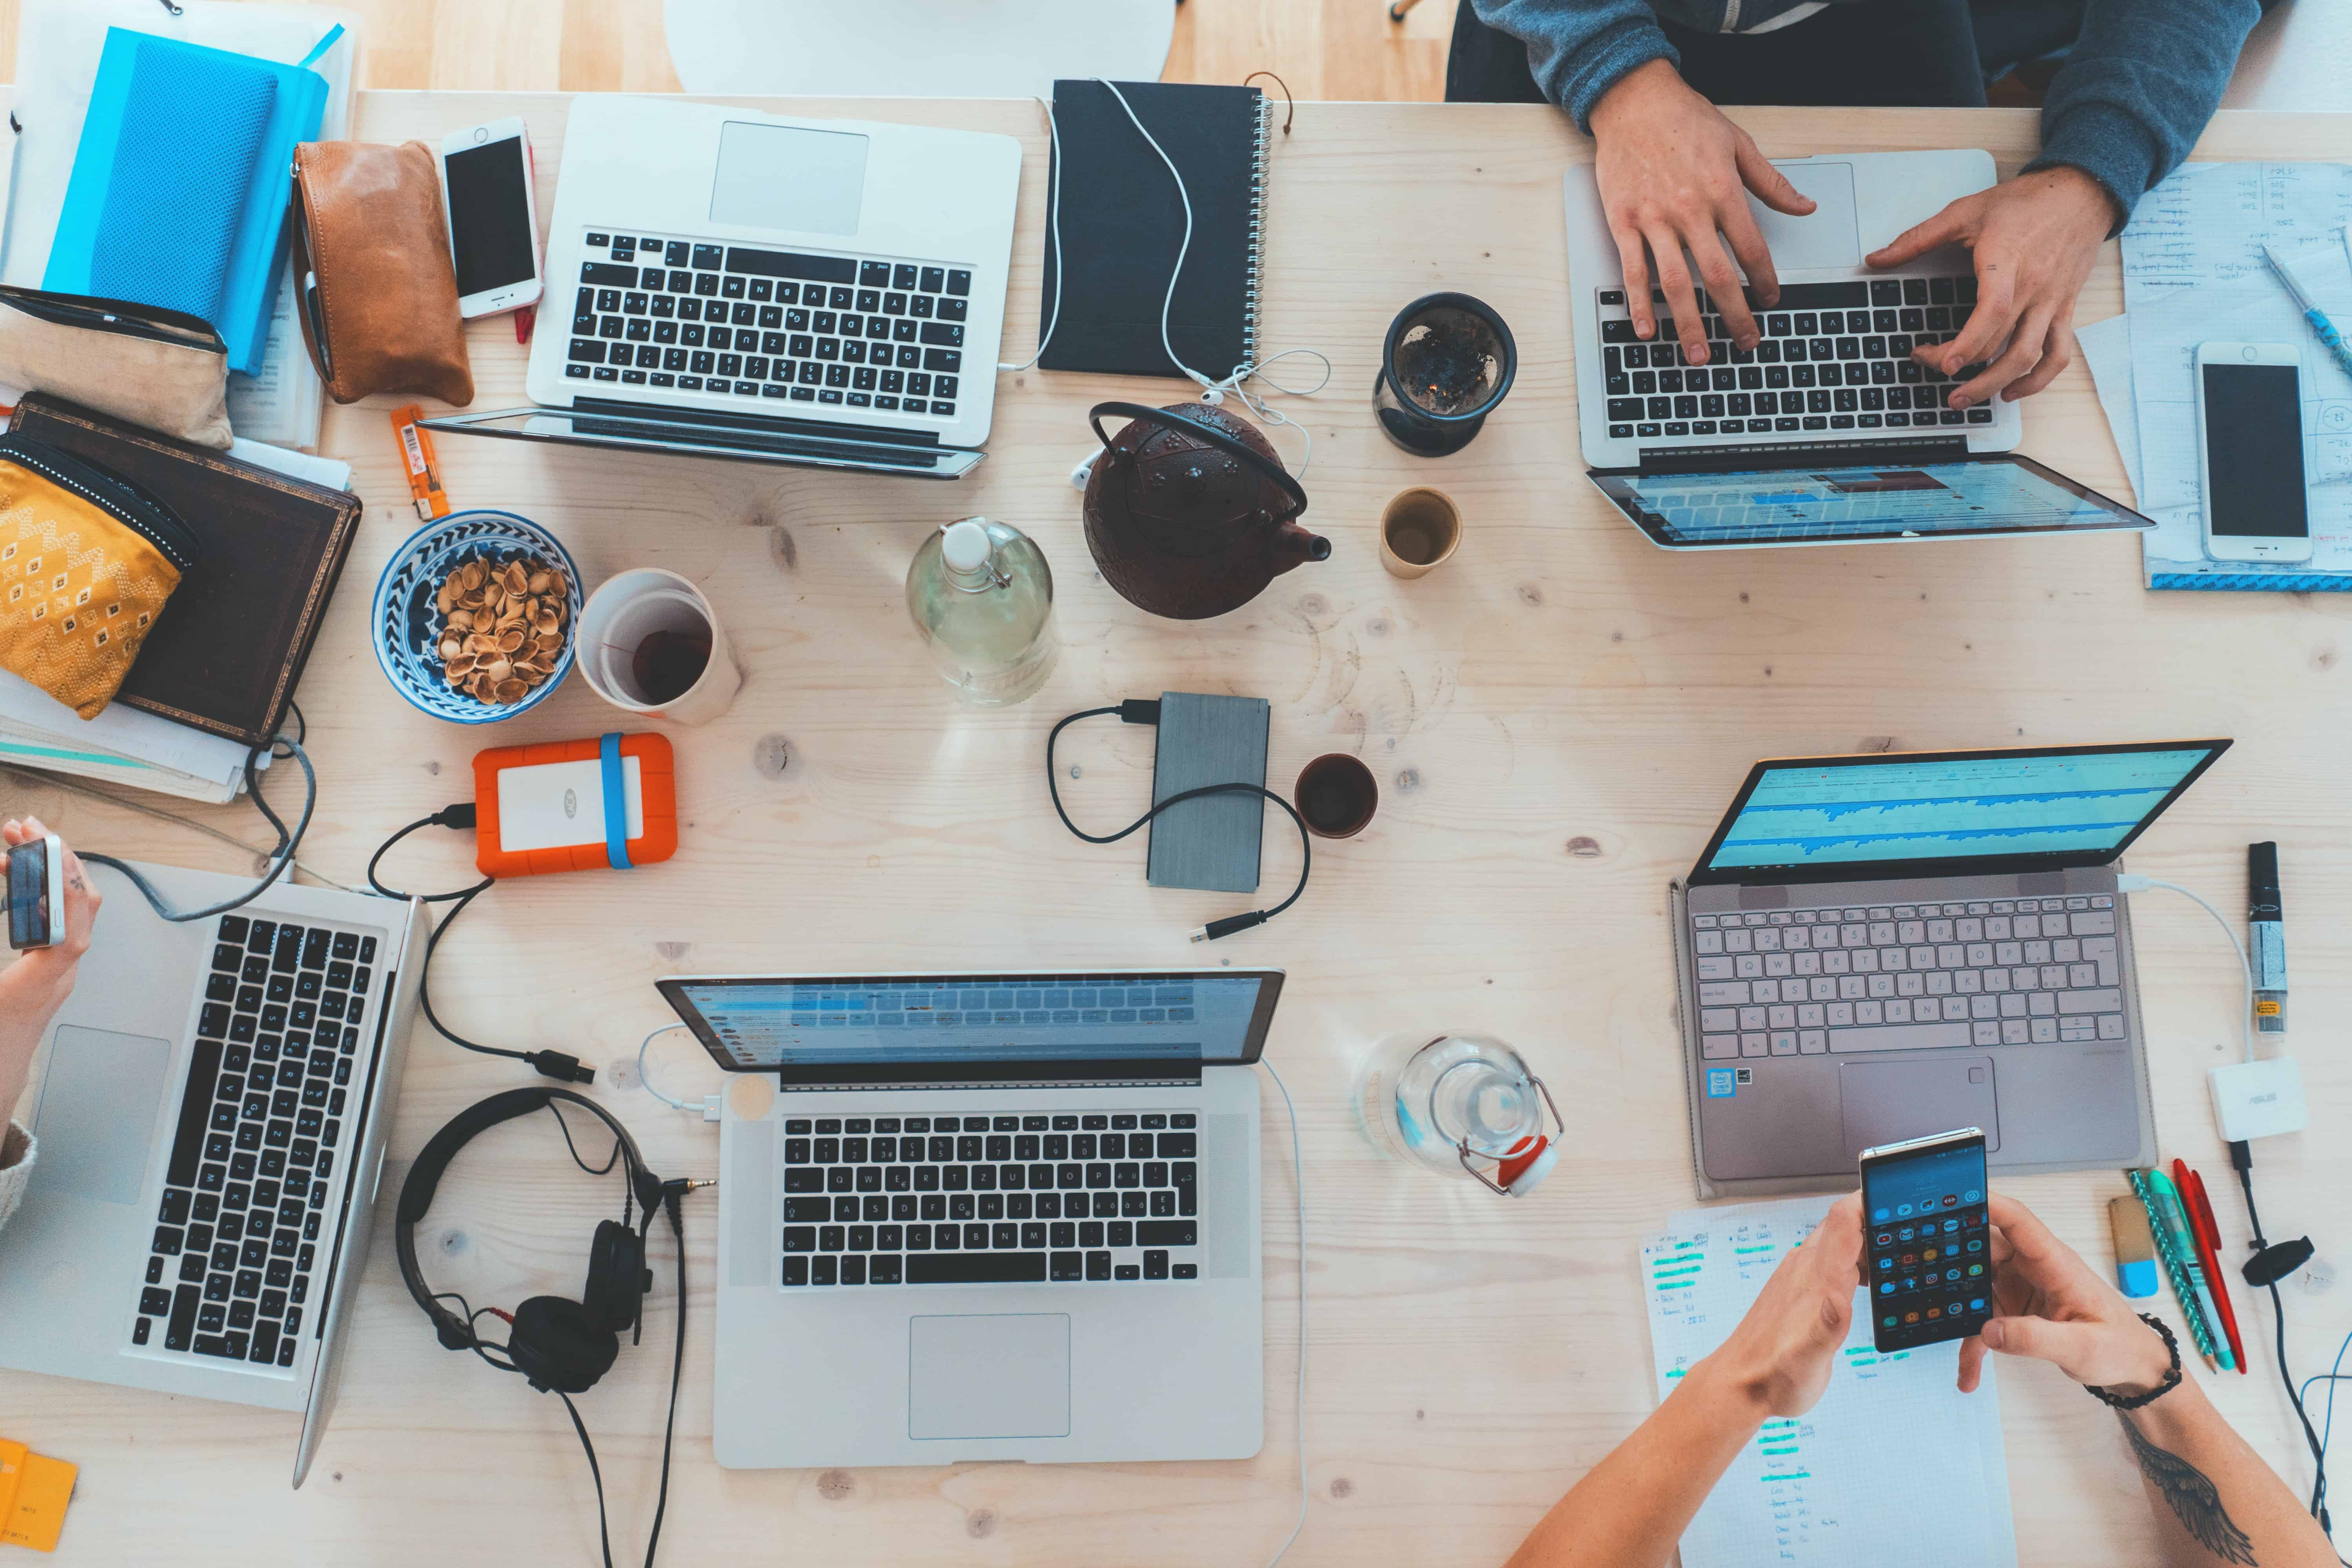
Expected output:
(2208, 1236)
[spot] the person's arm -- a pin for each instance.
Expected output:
(32, 989)
(2139, 85)
(1673, 172)
(1630, 1509)
(2214, 1499)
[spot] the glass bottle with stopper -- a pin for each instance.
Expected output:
(981, 597)
(1460, 1104)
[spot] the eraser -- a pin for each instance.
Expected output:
(2136, 1272)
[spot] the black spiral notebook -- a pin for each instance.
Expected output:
(1122, 222)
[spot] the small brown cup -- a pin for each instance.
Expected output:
(1420, 530)
(1337, 795)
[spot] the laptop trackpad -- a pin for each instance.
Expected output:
(97, 1115)
(1886, 1102)
(1828, 236)
(1001, 1375)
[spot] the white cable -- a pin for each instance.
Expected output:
(648, 1082)
(2130, 883)
(1211, 391)
(1054, 227)
(1298, 1170)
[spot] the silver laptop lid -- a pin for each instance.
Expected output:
(951, 1030)
(1933, 813)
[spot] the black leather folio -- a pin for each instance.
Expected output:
(1122, 220)
(230, 645)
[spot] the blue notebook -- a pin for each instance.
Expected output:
(181, 180)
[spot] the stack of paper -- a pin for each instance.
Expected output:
(1842, 1484)
(2194, 273)
(58, 43)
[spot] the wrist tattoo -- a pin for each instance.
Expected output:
(2193, 1497)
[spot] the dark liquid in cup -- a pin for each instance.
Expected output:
(668, 664)
(1337, 795)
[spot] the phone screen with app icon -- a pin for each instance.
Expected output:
(1927, 1245)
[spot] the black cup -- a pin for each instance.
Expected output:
(1447, 362)
(1337, 795)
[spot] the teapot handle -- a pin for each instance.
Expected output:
(1209, 434)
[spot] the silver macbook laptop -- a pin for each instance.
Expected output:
(987, 1216)
(1878, 947)
(731, 284)
(1826, 432)
(213, 1109)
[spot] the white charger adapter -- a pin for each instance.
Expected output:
(2258, 1098)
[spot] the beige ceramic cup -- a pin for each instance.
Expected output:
(1420, 530)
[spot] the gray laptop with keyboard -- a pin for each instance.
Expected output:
(1878, 947)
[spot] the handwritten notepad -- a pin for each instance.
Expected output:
(1844, 1483)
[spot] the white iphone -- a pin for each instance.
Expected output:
(493, 222)
(2250, 451)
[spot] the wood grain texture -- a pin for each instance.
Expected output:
(1557, 718)
(1323, 48)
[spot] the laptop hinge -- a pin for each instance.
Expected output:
(817, 429)
(1803, 455)
(1154, 1075)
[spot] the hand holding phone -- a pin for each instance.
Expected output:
(486, 191)
(1928, 1242)
(2051, 1306)
(36, 880)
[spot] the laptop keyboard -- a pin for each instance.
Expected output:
(980, 1200)
(260, 1129)
(1834, 356)
(770, 326)
(2006, 972)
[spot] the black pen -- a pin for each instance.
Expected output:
(2265, 925)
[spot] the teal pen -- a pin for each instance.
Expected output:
(2184, 1246)
(2323, 328)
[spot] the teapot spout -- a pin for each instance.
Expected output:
(1295, 546)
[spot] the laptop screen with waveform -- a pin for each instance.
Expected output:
(2076, 807)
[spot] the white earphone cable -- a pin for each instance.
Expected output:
(647, 1081)
(1298, 1174)
(1053, 227)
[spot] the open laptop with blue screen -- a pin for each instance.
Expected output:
(987, 1216)
(1874, 948)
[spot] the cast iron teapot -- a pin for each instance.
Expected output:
(1188, 510)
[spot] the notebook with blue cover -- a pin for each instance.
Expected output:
(180, 183)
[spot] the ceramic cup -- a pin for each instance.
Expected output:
(1420, 530)
(1337, 795)
(641, 603)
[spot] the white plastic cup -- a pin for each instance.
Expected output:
(629, 608)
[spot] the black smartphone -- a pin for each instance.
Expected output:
(1927, 1248)
(35, 872)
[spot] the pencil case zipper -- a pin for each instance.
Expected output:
(126, 503)
(118, 316)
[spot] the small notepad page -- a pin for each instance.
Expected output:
(1843, 1484)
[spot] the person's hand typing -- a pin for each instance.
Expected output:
(2034, 240)
(1673, 175)
(1780, 1354)
(2051, 1306)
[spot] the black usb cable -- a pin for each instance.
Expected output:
(1143, 710)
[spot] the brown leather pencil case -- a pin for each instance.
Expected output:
(379, 294)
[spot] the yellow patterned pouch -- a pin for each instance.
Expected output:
(86, 561)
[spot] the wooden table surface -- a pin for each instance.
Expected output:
(1556, 718)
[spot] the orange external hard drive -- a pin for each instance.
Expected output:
(575, 806)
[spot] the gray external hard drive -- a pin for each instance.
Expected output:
(1214, 843)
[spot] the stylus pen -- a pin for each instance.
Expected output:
(2266, 933)
(2323, 328)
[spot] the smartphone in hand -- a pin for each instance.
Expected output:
(1927, 1241)
(37, 879)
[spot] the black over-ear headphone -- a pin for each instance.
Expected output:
(558, 1344)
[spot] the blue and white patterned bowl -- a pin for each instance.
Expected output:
(407, 619)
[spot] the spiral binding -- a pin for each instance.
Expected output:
(1256, 228)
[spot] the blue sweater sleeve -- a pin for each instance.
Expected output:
(1578, 50)
(2142, 79)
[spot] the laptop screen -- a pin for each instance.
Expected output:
(1993, 493)
(897, 1028)
(1949, 811)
